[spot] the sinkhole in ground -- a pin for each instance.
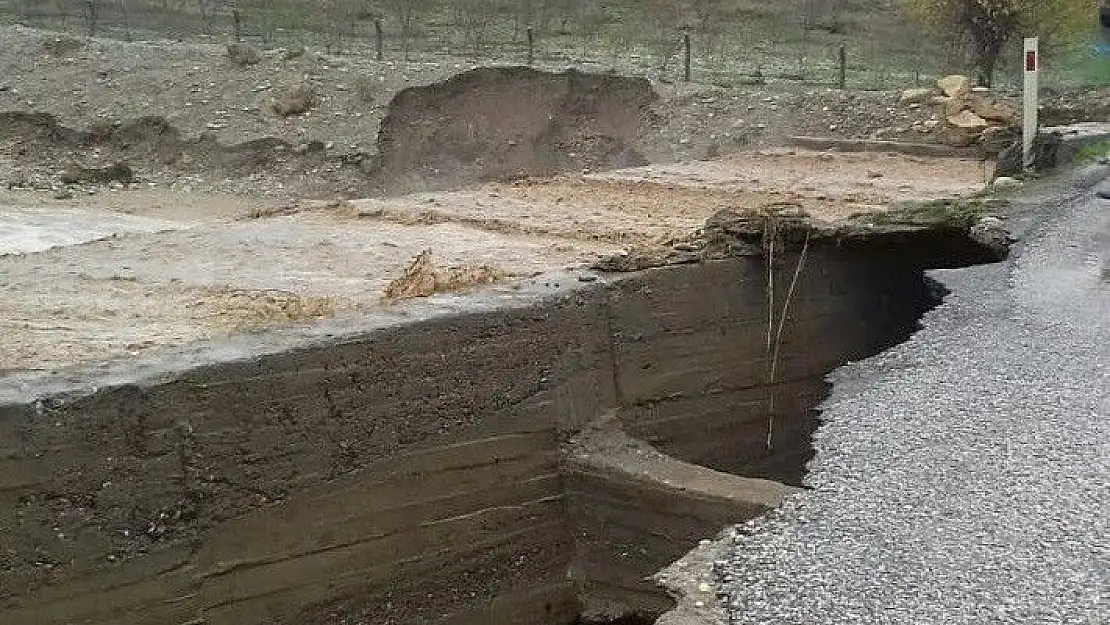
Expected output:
(534, 463)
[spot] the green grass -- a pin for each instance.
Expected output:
(1069, 66)
(1083, 69)
(1093, 151)
(950, 212)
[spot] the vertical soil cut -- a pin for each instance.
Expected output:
(534, 465)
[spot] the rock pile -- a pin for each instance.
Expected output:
(967, 115)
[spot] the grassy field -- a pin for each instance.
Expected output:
(734, 42)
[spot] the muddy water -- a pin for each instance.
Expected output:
(28, 229)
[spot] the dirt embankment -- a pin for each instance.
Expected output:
(323, 482)
(47, 152)
(152, 136)
(485, 124)
(497, 123)
(243, 137)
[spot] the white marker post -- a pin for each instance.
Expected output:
(1032, 60)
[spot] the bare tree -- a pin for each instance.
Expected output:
(202, 6)
(125, 11)
(988, 25)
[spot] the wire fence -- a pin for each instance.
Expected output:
(810, 48)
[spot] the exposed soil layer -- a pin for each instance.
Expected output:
(340, 479)
(496, 123)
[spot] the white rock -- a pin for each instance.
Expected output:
(955, 85)
(967, 120)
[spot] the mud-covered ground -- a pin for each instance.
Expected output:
(658, 203)
(132, 270)
(237, 219)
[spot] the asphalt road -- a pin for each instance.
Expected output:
(963, 476)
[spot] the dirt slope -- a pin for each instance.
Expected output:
(497, 123)
(206, 99)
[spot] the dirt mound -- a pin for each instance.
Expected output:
(423, 278)
(44, 127)
(505, 122)
(148, 132)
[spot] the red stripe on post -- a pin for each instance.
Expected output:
(1030, 61)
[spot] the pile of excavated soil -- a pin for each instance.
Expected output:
(498, 123)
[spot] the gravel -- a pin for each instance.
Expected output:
(963, 476)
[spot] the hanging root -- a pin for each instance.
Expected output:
(769, 234)
(769, 243)
(774, 347)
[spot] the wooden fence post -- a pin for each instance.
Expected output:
(686, 45)
(237, 20)
(379, 43)
(531, 46)
(92, 9)
(843, 63)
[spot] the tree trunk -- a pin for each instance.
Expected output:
(986, 74)
(202, 6)
(92, 11)
(407, 16)
(986, 62)
(989, 33)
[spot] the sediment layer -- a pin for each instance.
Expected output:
(416, 474)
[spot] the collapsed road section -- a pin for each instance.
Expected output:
(528, 451)
(217, 413)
